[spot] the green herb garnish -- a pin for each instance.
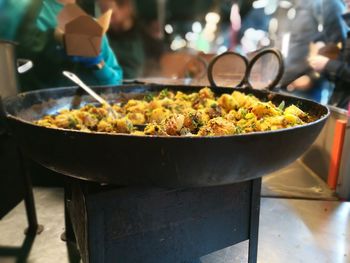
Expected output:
(149, 97)
(164, 93)
(282, 105)
(72, 123)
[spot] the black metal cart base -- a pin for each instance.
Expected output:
(15, 184)
(154, 225)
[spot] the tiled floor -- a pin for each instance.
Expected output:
(291, 231)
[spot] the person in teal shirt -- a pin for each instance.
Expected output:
(125, 36)
(32, 24)
(38, 41)
(11, 12)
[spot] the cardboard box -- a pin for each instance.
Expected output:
(329, 50)
(82, 33)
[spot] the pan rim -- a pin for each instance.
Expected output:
(250, 134)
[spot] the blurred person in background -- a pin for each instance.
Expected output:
(254, 31)
(154, 47)
(40, 41)
(310, 21)
(137, 42)
(125, 36)
(337, 70)
(11, 14)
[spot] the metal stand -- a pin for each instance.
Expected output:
(254, 221)
(15, 169)
(153, 225)
(33, 227)
(68, 234)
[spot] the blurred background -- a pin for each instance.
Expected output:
(168, 39)
(155, 29)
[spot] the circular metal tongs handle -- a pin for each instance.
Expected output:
(269, 65)
(263, 71)
(228, 69)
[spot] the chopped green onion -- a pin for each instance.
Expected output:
(282, 105)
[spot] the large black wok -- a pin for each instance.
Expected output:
(160, 161)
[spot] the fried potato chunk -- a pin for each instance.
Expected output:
(169, 113)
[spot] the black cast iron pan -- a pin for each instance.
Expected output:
(159, 161)
(122, 159)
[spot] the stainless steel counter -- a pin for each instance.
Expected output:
(296, 181)
(305, 178)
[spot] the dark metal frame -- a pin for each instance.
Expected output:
(109, 223)
(19, 182)
(254, 221)
(21, 253)
(24, 190)
(34, 227)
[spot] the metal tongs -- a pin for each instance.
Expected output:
(112, 113)
(263, 70)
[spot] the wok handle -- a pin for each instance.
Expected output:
(280, 72)
(217, 59)
(23, 65)
(249, 66)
